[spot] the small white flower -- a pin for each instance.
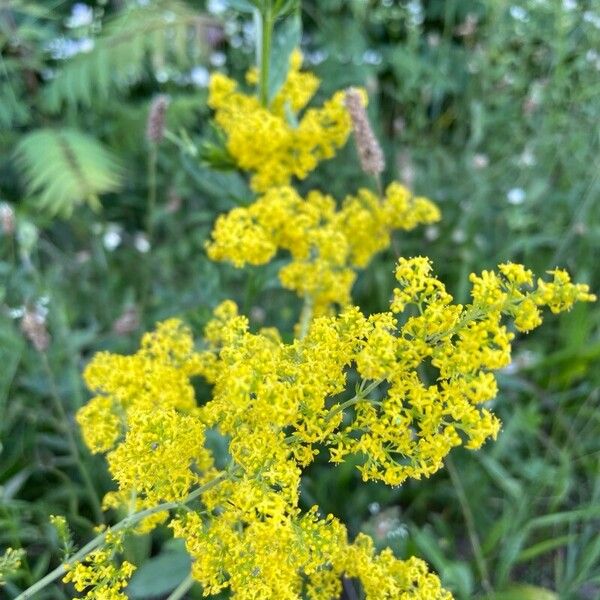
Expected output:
(459, 236)
(592, 17)
(217, 59)
(519, 13)
(516, 196)
(200, 76)
(81, 15)
(374, 508)
(527, 158)
(371, 57)
(112, 237)
(432, 233)
(216, 7)
(480, 161)
(162, 76)
(141, 243)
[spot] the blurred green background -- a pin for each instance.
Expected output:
(490, 108)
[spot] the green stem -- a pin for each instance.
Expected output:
(306, 315)
(470, 523)
(266, 22)
(150, 210)
(126, 523)
(152, 161)
(72, 441)
(359, 397)
(182, 588)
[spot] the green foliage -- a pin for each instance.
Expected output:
(64, 167)
(286, 37)
(470, 103)
(159, 575)
(160, 34)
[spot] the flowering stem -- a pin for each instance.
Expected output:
(306, 315)
(266, 32)
(126, 523)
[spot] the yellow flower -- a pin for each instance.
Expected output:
(327, 245)
(98, 575)
(276, 143)
(276, 404)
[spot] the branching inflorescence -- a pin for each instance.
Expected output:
(426, 370)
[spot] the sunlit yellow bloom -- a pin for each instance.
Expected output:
(326, 244)
(279, 142)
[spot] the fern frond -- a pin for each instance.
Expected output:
(14, 111)
(166, 32)
(64, 167)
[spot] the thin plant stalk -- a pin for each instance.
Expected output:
(150, 217)
(182, 588)
(266, 34)
(151, 207)
(126, 523)
(306, 315)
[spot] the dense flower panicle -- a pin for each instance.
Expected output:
(272, 560)
(278, 404)
(276, 143)
(425, 370)
(156, 376)
(327, 244)
(162, 455)
(98, 574)
(385, 577)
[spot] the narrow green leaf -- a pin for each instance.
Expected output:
(524, 592)
(286, 38)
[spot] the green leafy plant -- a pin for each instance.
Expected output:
(65, 167)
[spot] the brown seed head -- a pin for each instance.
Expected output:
(33, 325)
(155, 127)
(370, 153)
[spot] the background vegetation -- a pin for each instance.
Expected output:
(490, 108)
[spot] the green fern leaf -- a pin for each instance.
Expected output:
(162, 34)
(64, 168)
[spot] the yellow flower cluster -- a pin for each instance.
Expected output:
(161, 456)
(155, 377)
(326, 244)
(98, 575)
(10, 563)
(425, 368)
(274, 143)
(278, 404)
(297, 557)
